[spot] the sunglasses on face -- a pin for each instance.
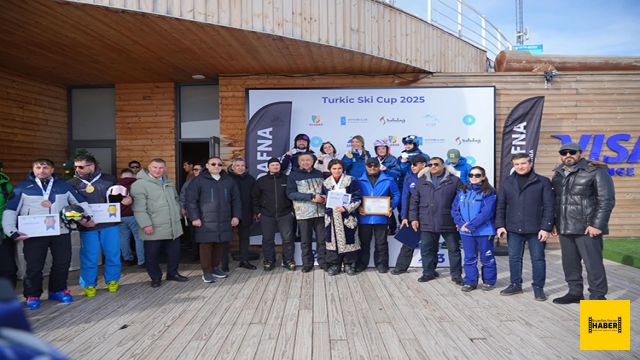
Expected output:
(567, 152)
(371, 166)
(433, 165)
(81, 167)
(134, 167)
(215, 164)
(478, 176)
(197, 169)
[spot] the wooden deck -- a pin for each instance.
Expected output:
(284, 315)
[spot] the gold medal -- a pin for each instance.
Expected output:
(89, 188)
(46, 204)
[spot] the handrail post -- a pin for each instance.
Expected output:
(459, 18)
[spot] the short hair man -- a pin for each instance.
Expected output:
(246, 182)
(584, 199)
(93, 185)
(430, 212)
(187, 166)
(525, 213)
(43, 194)
(157, 212)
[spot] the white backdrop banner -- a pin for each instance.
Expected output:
(443, 118)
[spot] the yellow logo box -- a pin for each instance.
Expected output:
(605, 325)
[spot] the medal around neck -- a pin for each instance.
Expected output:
(89, 188)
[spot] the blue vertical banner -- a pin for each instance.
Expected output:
(268, 133)
(521, 132)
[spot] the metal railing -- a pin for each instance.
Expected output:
(460, 19)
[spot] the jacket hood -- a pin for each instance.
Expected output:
(448, 170)
(584, 164)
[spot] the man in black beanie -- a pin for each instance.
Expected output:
(274, 211)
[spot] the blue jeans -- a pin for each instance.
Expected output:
(536, 251)
(472, 245)
(429, 244)
(90, 244)
(129, 226)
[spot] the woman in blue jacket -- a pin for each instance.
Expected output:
(356, 158)
(474, 211)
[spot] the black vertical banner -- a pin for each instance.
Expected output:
(268, 135)
(521, 132)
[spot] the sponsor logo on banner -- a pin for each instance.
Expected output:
(470, 160)
(431, 121)
(459, 140)
(315, 120)
(316, 141)
(347, 121)
(434, 141)
(384, 120)
(604, 324)
(468, 119)
(391, 140)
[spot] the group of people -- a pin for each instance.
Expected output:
(434, 197)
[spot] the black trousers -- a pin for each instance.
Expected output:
(577, 248)
(35, 253)
(404, 258)
(8, 268)
(378, 232)
(152, 250)
(244, 231)
(271, 225)
(307, 227)
(334, 258)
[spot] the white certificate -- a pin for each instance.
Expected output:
(39, 225)
(105, 213)
(376, 205)
(337, 198)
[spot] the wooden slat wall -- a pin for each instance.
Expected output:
(576, 103)
(360, 25)
(145, 124)
(33, 123)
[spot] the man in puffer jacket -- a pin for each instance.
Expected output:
(157, 212)
(585, 197)
(375, 183)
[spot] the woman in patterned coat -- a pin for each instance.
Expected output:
(341, 223)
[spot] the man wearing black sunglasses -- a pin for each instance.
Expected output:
(585, 197)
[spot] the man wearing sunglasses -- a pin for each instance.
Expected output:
(430, 212)
(135, 166)
(585, 197)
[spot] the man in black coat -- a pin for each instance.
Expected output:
(274, 210)
(430, 213)
(585, 197)
(245, 182)
(525, 213)
(213, 203)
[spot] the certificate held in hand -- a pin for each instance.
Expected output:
(337, 198)
(376, 205)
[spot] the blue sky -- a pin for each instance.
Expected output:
(571, 27)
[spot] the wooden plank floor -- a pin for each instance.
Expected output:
(285, 315)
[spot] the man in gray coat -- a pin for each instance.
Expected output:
(157, 213)
(214, 207)
(584, 199)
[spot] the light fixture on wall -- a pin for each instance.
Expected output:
(198, 77)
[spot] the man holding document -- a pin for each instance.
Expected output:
(380, 195)
(38, 200)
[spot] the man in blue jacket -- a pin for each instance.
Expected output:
(430, 212)
(459, 163)
(375, 183)
(525, 213)
(43, 194)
